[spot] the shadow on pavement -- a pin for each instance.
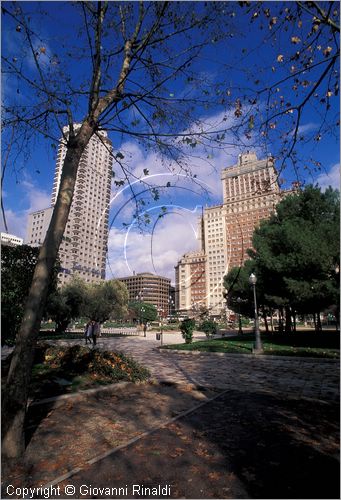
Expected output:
(241, 445)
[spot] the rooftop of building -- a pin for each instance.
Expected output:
(8, 235)
(247, 162)
(143, 275)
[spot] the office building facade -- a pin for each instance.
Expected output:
(250, 194)
(84, 246)
(37, 226)
(190, 289)
(11, 240)
(150, 288)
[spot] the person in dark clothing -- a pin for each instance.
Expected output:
(88, 332)
(96, 332)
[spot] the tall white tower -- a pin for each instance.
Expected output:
(84, 246)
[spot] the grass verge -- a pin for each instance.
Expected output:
(305, 345)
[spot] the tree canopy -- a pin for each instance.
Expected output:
(143, 311)
(66, 303)
(17, 267)
(295, 255)
(107, 300)
(98, 302)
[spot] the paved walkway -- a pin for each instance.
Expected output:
(282, 376)
(215, 442)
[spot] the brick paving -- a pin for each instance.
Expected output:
(282, 376)
(224, 446)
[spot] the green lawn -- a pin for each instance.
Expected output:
(325, 345)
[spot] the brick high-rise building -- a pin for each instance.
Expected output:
(84, 246)
(250, 194)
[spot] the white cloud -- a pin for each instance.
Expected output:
(200, 171)
(36, 199)
(131, 250)
(303, 129)
(16, 223)
(331, 178)
(307, 127)
(175, 235)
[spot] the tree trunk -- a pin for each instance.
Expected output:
(318, 323)
(315, 325)
(62, 325)
(17, 383)
(271, 320)
(265, 322)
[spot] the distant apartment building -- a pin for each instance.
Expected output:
(150, 288)
(38, 223)
(190, 289)
(11, 240)
(84, 246)
(250, 194)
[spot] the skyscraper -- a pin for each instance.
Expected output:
(84, 246)
(250, 194)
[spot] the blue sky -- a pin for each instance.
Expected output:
(228, 69)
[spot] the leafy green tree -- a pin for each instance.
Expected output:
(143, 311)
(209, 327)
(67, 303)
(237, 285)
(187, 328)
(17, 267)
(106, 300)
(295, 255)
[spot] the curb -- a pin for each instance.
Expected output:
(112, 387)
(82, 394)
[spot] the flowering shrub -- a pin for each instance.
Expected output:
(78, 360)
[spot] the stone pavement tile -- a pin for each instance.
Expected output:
(255, 446)
(75, 432)
(233, 371)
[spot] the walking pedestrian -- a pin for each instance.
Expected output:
(88, 332)
(96, 331)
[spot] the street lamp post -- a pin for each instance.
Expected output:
(170, 306)
(240, 330)
(139, 298)
(258, 347)
(160, 312)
